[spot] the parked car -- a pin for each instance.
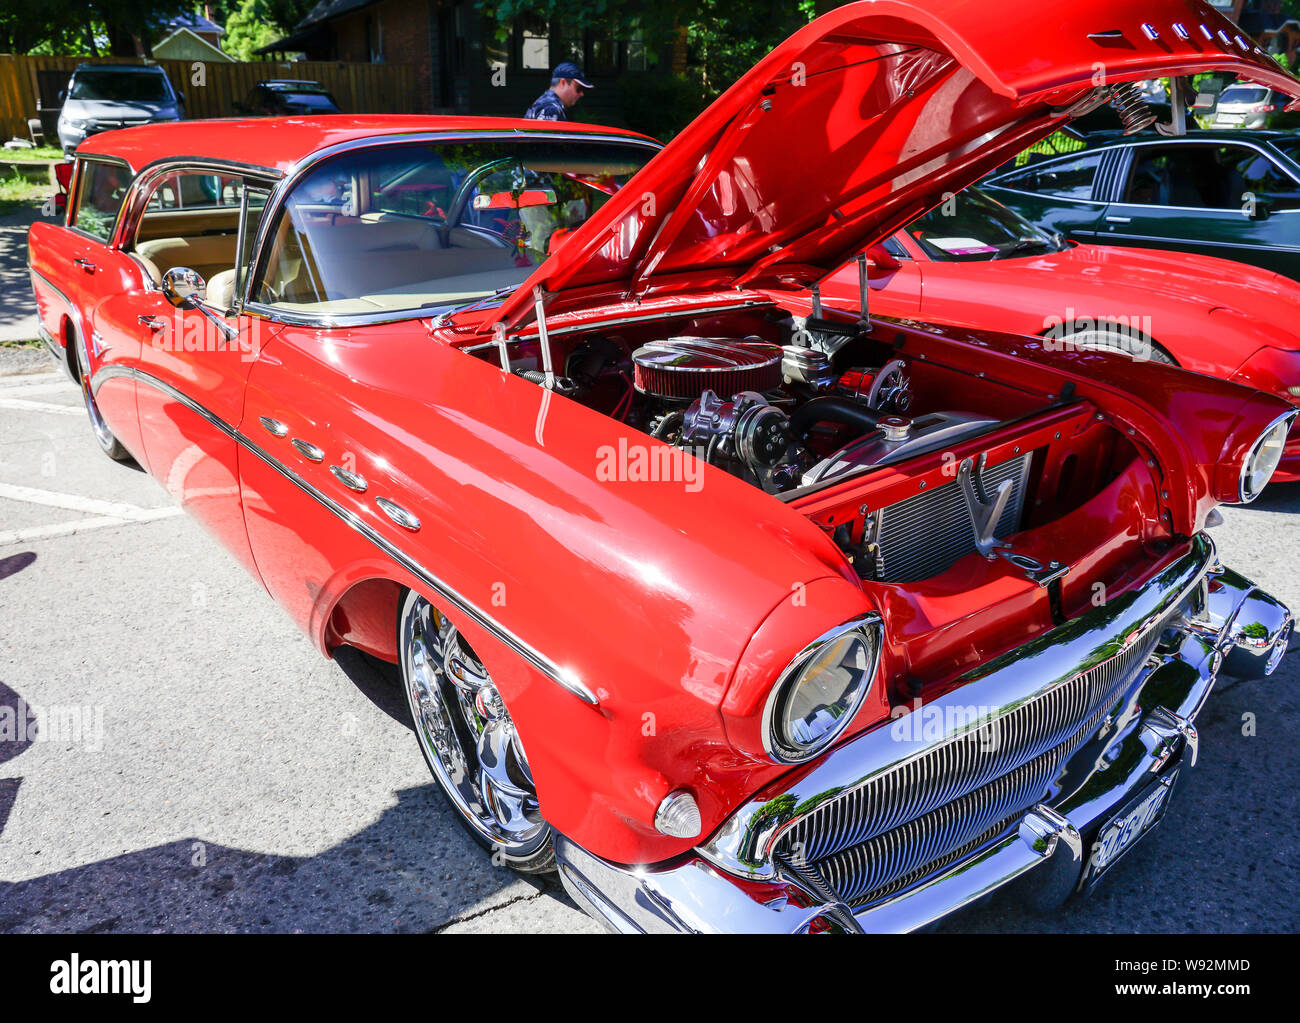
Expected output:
(1247, 105)
(282, 96)
(973, 262)
(104, 97)
(1215, 193)
(741, 618)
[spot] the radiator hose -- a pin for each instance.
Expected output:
(834, 408)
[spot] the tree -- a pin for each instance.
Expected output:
(250, 27)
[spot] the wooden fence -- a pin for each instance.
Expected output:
(29, 86)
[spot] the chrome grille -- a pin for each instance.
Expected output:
(912, 817)
(928, 533)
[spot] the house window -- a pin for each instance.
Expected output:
(535, 44)
(637, 57)
(604, 57)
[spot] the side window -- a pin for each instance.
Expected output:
(99, 197)
(895, 249)
(194, 192)
(1065, 179)
(1252, 174)
(1205, 177)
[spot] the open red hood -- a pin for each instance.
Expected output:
(862, 121)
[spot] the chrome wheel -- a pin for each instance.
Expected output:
(468, 738)
(103, 435)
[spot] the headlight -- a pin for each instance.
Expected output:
(73, 122)
(1263, 457)
(818, 694)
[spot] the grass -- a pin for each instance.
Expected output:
(16, 191)
(25, 155)
(34, 342)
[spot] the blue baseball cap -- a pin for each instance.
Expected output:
(568, 69)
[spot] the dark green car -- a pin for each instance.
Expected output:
(1221, 193)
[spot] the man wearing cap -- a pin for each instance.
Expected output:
(567, 86)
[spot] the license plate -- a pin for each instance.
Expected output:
(1122, 832)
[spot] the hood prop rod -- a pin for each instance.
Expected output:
(499, 333)
(543, 339)
(864, 291)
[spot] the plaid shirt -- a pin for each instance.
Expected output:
(547, 107)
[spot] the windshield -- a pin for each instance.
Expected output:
(971, 227)
(1243, 94)
(428, 227)
(120, 86)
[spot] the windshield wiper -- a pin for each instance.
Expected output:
(441, 319)
(1024, 245)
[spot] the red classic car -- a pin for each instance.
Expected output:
(972, 262)
(741, 618)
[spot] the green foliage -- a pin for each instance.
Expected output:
(725, 38)
(660, 105)
(248, 28)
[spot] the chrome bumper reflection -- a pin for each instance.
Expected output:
(739, 882)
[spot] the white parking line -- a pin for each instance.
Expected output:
(103, 513)
(27, 390)
(13, 536)
(41, 406)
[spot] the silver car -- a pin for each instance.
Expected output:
(1247, 106)
(101, 97)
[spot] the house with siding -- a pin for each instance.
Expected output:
(466, 64)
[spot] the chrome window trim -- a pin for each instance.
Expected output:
(74, 196)
(295, 173)
(138, 196)
(996, 182)
(1269, 153)
(565, 679)
(1181, 243)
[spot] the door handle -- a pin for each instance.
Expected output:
(85, 264)
(152, 322)
(1118, 220)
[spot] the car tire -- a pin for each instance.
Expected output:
(450, 697)
(108, 443)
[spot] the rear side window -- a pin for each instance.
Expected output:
(1066, 179)
(1207, 177)
(99, 197)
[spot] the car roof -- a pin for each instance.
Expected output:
(152, 69)
(1114, 136)
(291, 82)
(277, 143)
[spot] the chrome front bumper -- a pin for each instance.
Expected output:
(1209, 619)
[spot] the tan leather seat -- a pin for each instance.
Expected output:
(209, 254)
(221, 290)
(152, 275)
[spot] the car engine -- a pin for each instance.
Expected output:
(763, 411)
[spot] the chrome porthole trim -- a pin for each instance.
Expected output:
(564, 678)
(398, 514)
(349, 479)
(308, 450)
(273, 426)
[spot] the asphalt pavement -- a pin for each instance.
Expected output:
(198, 766)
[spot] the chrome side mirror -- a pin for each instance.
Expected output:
(183, 286)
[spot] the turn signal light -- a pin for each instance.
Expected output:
(678, 816)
